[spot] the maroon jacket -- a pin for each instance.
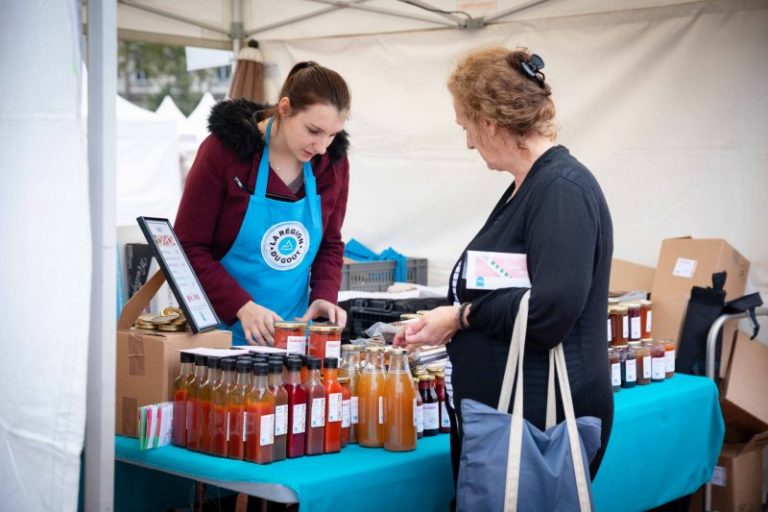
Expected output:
(213, 207)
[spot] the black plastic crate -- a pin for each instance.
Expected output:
(363, 313)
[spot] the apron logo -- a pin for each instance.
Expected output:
(284, 245)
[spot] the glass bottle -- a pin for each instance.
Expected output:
(419, 410)
(236, 410)
(628, 367)
(291, 336)
(669, 358)
(206, 403)
(400, 403)
(193, 403)
(315, 431)
(370, 428)
(260, 417)
(633, 312)
(334, 413)
(350, 368)
(275, 382)
(297, 409)
(346, 395)
(180, 393)
(646, 318)
(613, 357)
(325, 341)
(431, 405)
(643, 360)
(220, 423)
(445, 421)
(658, 361)
(619, 325)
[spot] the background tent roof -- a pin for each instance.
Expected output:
(168, 109)
(197, 122)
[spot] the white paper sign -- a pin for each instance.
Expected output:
(684, 268)
(495, 270)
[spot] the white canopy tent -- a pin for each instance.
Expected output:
(665, 101)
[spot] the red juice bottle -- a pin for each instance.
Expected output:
(180, 392)
(333, 408)
(193, 403)
(281, 408)
(206, 404)
(445, 420)
(260, 419)
(236, 410)
(297, 408)
(220, 422)
(431, 405)
(315, 408)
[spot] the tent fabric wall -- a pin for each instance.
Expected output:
(667, 106)
(45, 262)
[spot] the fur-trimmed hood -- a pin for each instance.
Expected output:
(235, 123)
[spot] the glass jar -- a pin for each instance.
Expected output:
(658, 361)
(628, 367)
(291, 336)
(633, 312)
(643, 361)
(325, 341)
(669, 358)
(613, 357)
(619, 325)
(646, 318)
(610, 329)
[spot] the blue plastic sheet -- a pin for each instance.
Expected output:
(356, 251)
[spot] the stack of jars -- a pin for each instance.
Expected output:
(264, 409)
(641, 362)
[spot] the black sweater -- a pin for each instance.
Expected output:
(560, 220)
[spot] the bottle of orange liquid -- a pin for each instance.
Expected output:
(350, 368)
(180, 393)
(370, 388)
(220, 421)
(206, 403)
(260, 419)
(400, 405)
(236, 410)
(346, 395)
(315, 434)
(193, 403)
(334, 406)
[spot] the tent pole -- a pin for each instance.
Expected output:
(236, 32)
(397, 14)
(171, 16)
(514, 10)
(100, 404)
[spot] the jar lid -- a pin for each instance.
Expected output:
(351, 347)
(434, 368)
(647, 340)
(325, 328)
(645, 302)
(613, 301)
(634, 343)
(343, 380)
(290, 325)
(632, 305)
(620, 309)
(373, 350)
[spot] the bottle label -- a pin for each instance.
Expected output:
(419, 418)
(669, 360)
(648, 321)
(299, 418)
(334, 407)
(414, 411)
(267, 432)
(333, 349)
(318, 412)
(381, 410)
(345, 414)
(615, 374)
(245, 424)
(610, 336)
(353, 411)
(635, 334)
(226, 420)
(431, 417)
(281, 420)
(296, 345)
(658, 367)
(625, 326)
(631, 370)
(647, 367)
(445, 421)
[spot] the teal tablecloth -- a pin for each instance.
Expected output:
(665, 442)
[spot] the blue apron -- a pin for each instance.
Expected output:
(274, 250)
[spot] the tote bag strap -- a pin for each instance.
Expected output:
(515, 358)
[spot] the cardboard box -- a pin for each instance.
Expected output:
(627, 276)
(743, 398)
(148, 361)
(683, 264)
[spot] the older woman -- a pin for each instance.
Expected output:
(553, 221)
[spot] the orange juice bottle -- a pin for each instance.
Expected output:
(206, 403)
(350, 369)
(236, 411)
(370, 388)
(180, 393)
(193, 403)
(220, 420)
(400, 405)
(260, 420)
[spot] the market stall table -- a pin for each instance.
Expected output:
(665, 442)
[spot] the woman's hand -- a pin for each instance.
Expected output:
(435, 328)
(258, 323)
(324, 308)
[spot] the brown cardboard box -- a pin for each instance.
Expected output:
(627, 276)
(737, 483)
(148, 361)
(743, 399)
(683, 264)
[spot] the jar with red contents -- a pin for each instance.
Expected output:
(646, 318)
(658, 361)
(633, 313)
(613, 356)
(291, 336)
(669, 358)
(325, 341)
(619, 326)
